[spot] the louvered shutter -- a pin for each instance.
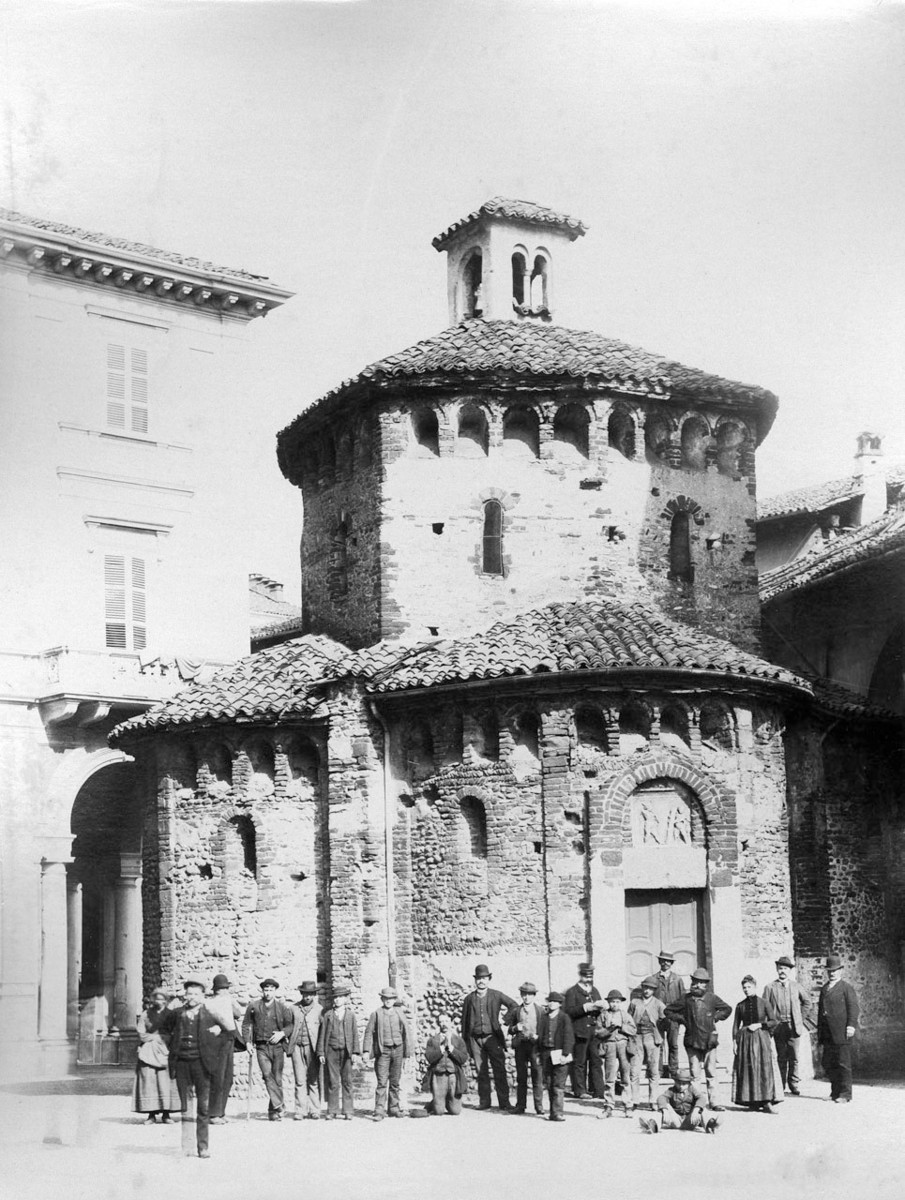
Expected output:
(116, 386)
(139, 605)
(115, 600)
(139, 390)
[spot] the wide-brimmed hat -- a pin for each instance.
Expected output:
(699, 975)
(341, 991)
(833, 962)
(269, 983)
(308, 988)
(615, 994)
(220, 981)
(652, 982)
(557, 996)
(193, 983)
(785, 961)
(528, 988)
(682, 1075)
(388, 993)
(665, 956)
(482, 971)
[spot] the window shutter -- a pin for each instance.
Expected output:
(115, 600)
(139, 362)
(139, 608)
(116, 386)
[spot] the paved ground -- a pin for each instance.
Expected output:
(76, 1138)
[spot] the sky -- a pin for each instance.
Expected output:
(741, 168)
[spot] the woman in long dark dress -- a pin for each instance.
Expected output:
(754, 1071)
(155, 1092)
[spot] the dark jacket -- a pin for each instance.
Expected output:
(753, 1010)
(563, 1033)
(573, 1006)
(252, 1030)
(309, 1017)
(495, 1001)
(353, 1044)
(699, 1015)
(433, 1053)
(801, 1005)
(209, 1043)
(512, 1021)
(372, 1043)
(671, 989)
(836, 1008)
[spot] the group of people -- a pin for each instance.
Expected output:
(603, 1047)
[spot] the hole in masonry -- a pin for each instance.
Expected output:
(437, 527)
(206, 871)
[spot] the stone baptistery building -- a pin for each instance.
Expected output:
(524, 719)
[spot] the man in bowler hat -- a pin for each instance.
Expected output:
(484, 1036)
(582, 1003)
(669, 990)
(227, 1012)
(195, 1050)
(268, 1027)
(792, 1008)
(699, 1012)
(523, 1023)
(302, 1050)
(837, 1023)
(387, 1040)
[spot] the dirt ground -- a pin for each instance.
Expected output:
(76, 1138)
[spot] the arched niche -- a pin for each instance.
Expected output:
(674, 733)
(419, 744)
(473, 284)
(426, 431)
(524, 758)
(260, 755)
(217, 764)
(634, 726)
(730, 441)
(717, 726)
(472, 437)
(658, 436)
(571, 432)
(472, 830)
(621, 432)
(521, 433)
(695, 438)
(303, 762)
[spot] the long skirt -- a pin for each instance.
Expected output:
(154, 1090)
(755, 1072)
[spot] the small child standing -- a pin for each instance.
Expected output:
(614, 1030)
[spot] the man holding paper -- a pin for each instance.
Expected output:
(556, 1040)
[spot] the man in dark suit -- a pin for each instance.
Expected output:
(268, 1026)
(302, 1050)
(338, 1046)
(484, 1036)
(581, 1005)
(388, 1041)
(523, 1023)
(196, 1044)
(557, 1043)
(837, 1022)
(670, 989)
(792, 1008)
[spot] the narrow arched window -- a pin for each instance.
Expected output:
(519, 273)
(472, 279)
(680, 565)
(539, 285)
(245, 828)
(473, 828)
(493, 538)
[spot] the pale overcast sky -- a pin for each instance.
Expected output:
(741, 168)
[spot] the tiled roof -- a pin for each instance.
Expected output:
(598, 636)
(549, 352)
(883, 536)
(821, 496)
(265, 686)
(514, 210)
(844, 700)
(72, 232)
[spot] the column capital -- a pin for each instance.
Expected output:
(130, 867)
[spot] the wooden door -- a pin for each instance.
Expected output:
(667, 920)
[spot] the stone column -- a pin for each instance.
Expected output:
(53, 994)
(74, 951)
(127, 943)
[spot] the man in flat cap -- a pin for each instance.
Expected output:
(484, 1036)
(268, 1027)
(302, 1051)
(557, 1043)
(523, 1023)
(582, 1004)
(195, 1049)
(648, 1013)
(387, 1040)
(227, 1012)
(446, 1055)
(683, 1106)
(837, 1023)
(699, 1012)
(669, 990)
(338, 1046)
(792, 1008)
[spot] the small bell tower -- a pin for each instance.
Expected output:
(501, 260)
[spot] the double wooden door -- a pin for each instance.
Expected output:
(663, 920)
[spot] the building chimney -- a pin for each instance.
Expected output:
(870, 473)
